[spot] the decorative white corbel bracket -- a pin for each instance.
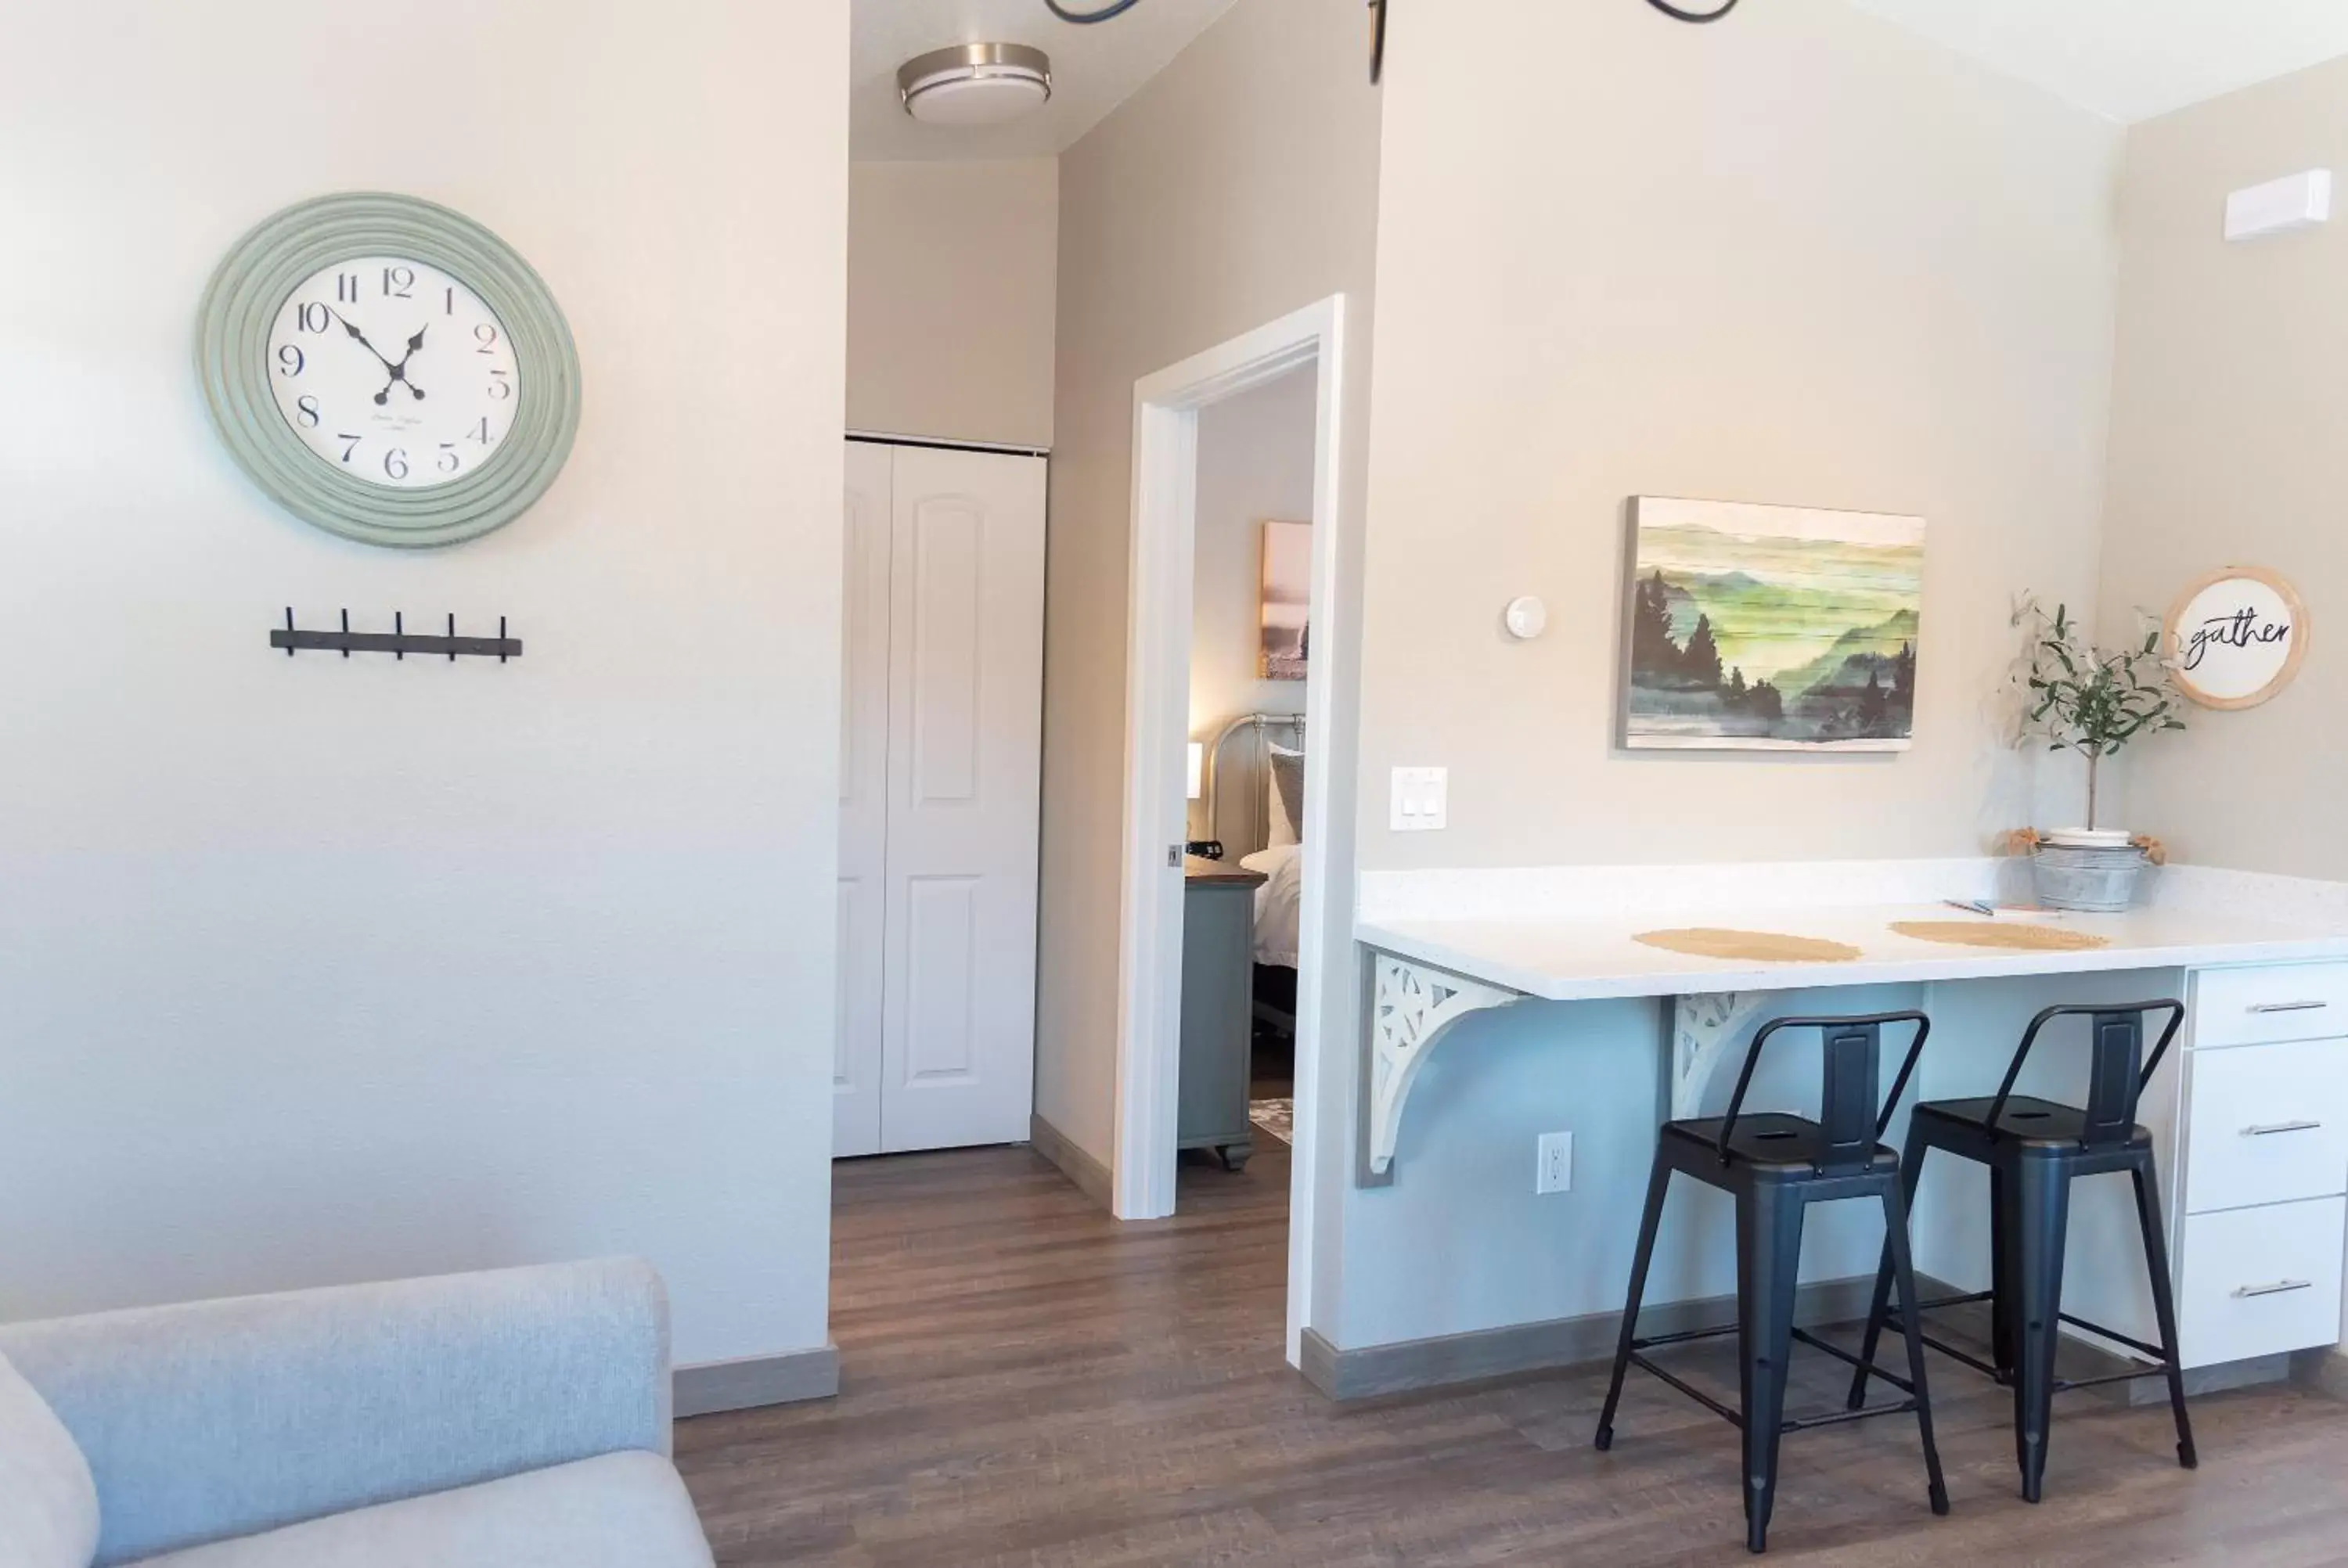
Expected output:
(1412, 1008)
(1701, 1028)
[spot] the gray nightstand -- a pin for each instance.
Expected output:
(1217, 1014)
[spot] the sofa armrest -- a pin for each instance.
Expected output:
(224, 1418)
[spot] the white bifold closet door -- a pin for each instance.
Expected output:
(941, 721)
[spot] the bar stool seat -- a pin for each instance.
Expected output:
(1775, 1166)
(2028, 1122)
(1773, 1144)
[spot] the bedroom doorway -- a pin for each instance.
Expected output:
(1250, 662)
(1159, 821)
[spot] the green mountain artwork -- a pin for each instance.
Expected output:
(1773, 628)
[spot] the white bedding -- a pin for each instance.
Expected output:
(1277, 902)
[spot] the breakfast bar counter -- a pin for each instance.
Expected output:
(2254, 1141)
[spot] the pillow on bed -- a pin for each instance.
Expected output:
(1287, 773)
(1269, 861)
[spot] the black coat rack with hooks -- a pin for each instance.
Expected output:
(399, 643)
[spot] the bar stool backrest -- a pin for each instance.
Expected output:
(1848, 1111)
(2118, 1071)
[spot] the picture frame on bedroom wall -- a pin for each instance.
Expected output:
(1764, 627)
(1286, 601)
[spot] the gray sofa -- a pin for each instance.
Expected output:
(510, 1420)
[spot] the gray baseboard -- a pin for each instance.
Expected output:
(1450, 1358)
(1454, 1359)
(1091, 1177)
(2323, 1371)
(755, 1381)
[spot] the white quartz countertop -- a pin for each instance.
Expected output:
(1584, 959)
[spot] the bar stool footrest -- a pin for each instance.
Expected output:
(1639, 1346)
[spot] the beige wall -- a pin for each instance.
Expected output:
(321, 970)
(1256, 466)
(2226, 447)
(951, 299)
(1806, 259)
(1238, 186)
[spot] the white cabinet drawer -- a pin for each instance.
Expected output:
(2268, 1124)
(2257, 1281)
(2270, 1002)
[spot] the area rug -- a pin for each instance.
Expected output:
(1275, 1117)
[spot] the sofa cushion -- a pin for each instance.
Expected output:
(615, 1511)
(48, 1505)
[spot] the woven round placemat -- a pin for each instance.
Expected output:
(1999, 934)
(1758, 947)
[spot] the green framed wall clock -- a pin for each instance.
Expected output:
(389, 369)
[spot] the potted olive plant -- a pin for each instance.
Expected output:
(2095, 702)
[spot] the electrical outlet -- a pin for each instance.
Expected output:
(1555, 1173)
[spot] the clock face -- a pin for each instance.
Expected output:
(393, 371)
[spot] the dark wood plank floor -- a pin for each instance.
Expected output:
(1028, 1383)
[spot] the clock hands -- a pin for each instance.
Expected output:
(398, 373)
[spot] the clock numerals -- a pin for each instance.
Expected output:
(370, 386)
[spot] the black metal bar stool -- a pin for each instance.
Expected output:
(2035, 1149)
(1777, 1166)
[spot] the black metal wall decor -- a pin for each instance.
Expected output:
(1712, 12)
(399, 643)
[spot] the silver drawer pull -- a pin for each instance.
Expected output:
(2288, 1007)
(2277, 1288)
(2271, 1128)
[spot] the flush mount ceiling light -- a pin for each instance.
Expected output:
(975, 83)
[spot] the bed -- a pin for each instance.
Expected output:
(1254, 796)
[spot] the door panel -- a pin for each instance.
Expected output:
(863, 802)
(965, 723)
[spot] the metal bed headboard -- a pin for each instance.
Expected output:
(1255, 759)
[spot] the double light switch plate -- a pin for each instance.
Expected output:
(1421, 799)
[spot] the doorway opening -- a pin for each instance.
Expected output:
(1160, 729)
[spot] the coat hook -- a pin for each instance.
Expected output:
(346, 634)
(501, 638)
(289, 632)
(399, 629)
(452, 637)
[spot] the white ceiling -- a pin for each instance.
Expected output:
(1094, 69)
(2131, 59)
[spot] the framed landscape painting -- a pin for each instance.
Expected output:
(1287, 602)
(1771, 628)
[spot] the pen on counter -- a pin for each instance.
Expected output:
(1971, 906)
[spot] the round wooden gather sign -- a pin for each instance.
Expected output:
(2237, 635)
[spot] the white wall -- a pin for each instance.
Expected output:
(1256, 466)
(321, 971)
(1807, 258)
(951, 292)
(2225, 449)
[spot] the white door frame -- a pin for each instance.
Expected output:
(1158, 677)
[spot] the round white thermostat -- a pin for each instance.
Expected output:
(1526, 617)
